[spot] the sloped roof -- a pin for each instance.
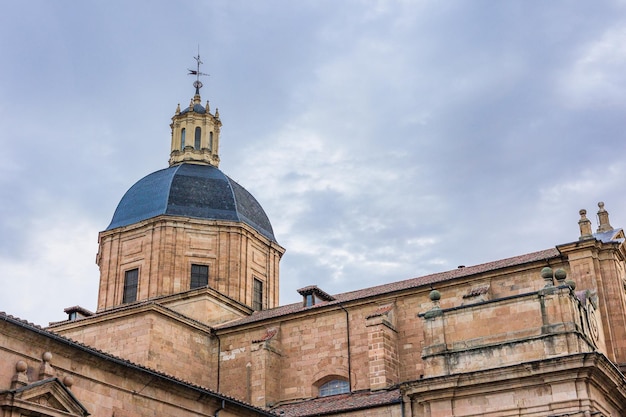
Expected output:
(398, 286)
(124, 362)
(340, 403)
(614, 235)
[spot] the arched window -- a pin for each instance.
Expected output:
(196, 143)
(182, 139)
(334, 387)
(210, 141)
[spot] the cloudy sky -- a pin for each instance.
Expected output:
(385, 139)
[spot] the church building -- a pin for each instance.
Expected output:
(188, 321)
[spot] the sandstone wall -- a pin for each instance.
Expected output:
(105, 386)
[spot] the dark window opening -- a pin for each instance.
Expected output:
(199, 276)
(257, 295)
(211, 141)
(131, 279)
(196, 144)
(182, 139)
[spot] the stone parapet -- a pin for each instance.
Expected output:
(532, 326)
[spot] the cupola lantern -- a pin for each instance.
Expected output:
(195, 131)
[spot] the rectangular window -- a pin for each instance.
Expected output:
(257, 295)
(199, 276)
(131, 278)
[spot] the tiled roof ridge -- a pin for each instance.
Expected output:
(424, 280)
(121, 361)
(462, 272)
(131, 306)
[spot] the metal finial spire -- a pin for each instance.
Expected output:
(197, 73)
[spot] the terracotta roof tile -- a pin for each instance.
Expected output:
(398, 286)
(129, 307)
(340, 403)
(125, 362)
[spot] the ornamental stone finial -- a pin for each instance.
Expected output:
(435, 311)
(45, 370)
(560, 275)
(20, 379)
(547, 274)
(603, 219)
(585, 225)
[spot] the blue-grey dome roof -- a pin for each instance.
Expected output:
(197, 108)
(191, 190)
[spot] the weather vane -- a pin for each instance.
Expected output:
(197, 73)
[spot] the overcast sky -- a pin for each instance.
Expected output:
(385, 140)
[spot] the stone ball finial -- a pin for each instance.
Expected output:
(570, 283)
(45, 370)
(548, 276)
(434, 295)
(560, 274)
(20, 379)
(547, 273)
(68, 381)
(20, 366)
(601, 205)
(583, 213)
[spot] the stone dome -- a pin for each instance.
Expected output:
(191, 190)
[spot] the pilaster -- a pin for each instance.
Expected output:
(382, 340)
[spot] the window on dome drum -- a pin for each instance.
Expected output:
(210, 141)
(196, 143)
(131, 278)
(257, 295)
(199, 276)
(334, 387)
(182, 139)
